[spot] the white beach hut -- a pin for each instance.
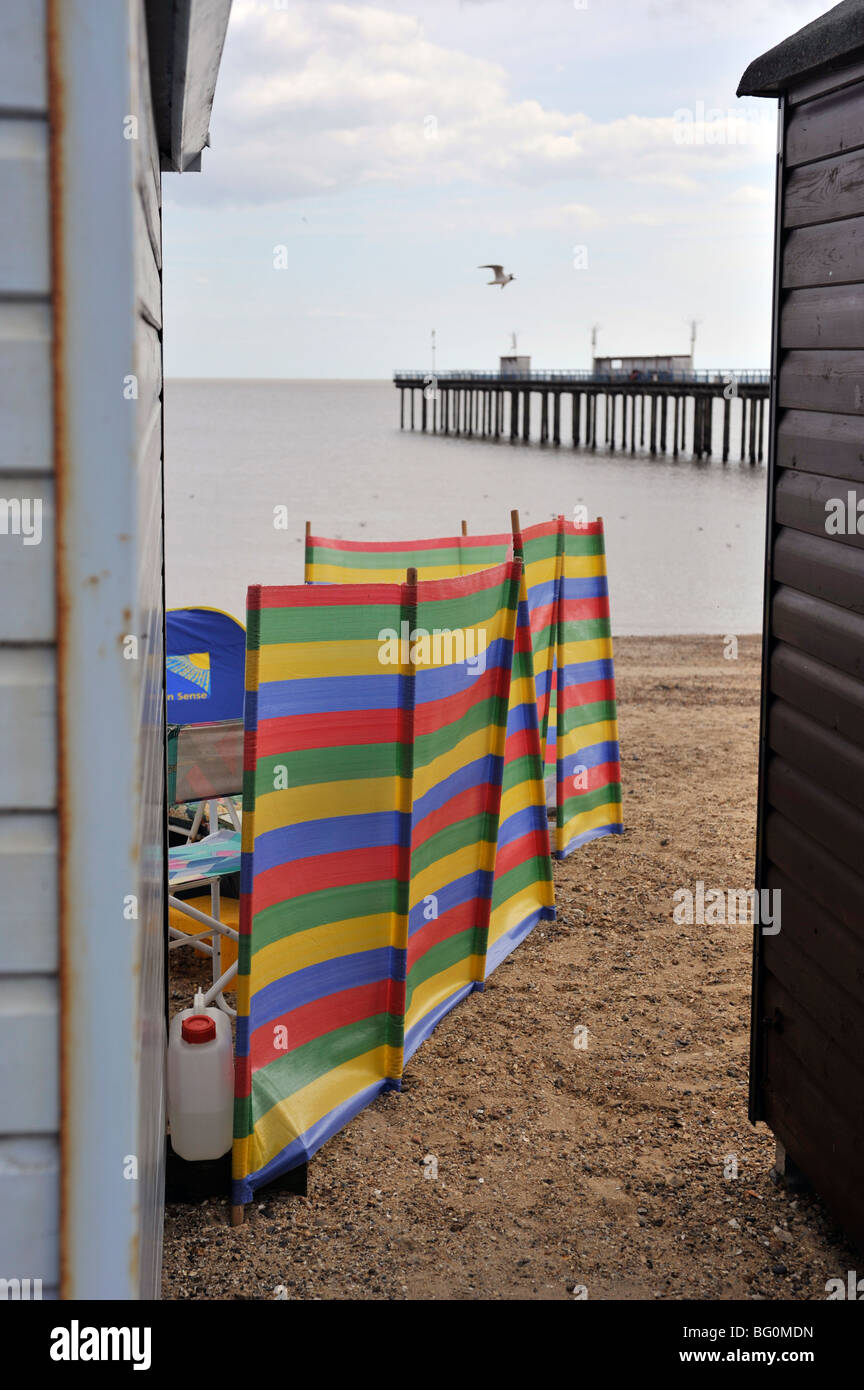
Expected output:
(97, 97)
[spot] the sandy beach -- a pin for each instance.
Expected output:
(605, 1168)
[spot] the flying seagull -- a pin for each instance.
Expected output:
(500, 278)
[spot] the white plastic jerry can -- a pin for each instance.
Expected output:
(200, 1082)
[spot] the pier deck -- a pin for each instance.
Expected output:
(671, 415)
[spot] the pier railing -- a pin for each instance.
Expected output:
(748, 376)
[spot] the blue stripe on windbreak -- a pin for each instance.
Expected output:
(327, 977)
(541, 595)
(596, 587)
(440, 682)
(482, 770)
(247, 871)
(521, 717)
(450, 895)
(521, 823)
(582, 672)
(596, 834)
(330, 835)
(250, 710)
(593, 756)
(330, 694)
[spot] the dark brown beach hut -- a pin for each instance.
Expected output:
(807, 1051)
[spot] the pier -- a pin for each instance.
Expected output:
(676, 415)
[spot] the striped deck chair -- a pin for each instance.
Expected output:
(370, 817)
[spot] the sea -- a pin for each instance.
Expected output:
(685, 538)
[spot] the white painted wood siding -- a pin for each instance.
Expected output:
(29, 1086)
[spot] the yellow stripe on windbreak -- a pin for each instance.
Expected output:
(522, 692)
(542, 571)
(514, 910)
(288, 1119)
(470, 859)
(604, 731)
(286, 661)
(339, 574)
(594, 649)
(610, 813)
(439, 987)
(520, 796)
(327, 942)
(321, 800)
(468, 750)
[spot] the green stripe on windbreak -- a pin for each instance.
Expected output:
(346, 622)
(471, 610)
(540, 548)
(526, 769)
(583, 545)
(584, 629)
(537, 869)
(439, 958)
(308, 766)
(484, 556)
(544, 637)
(242, 1116)
(427, 747)
(589, 801)
(253, 629)
(291, 1071)
(579, 715)
(471, 831)
(309, 910)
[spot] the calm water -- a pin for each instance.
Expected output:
(685, 540)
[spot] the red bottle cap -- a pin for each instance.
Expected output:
(198, 1028)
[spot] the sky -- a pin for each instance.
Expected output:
(365, 160)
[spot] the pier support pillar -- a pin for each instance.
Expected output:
(727, 412)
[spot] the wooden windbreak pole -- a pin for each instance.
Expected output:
(464, 528)
(306, 552)
(515, 524)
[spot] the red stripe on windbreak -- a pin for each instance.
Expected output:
(473, 801)
(465, 543)
(328, 596)
(543, 617)
(599, 776)
(242, 1077)
(572, 696)
(521, 744)
(574, 610)
(438, 590)
(322, 871)
(591, 528)
(435, 714)
(333, 729)
(461, 918)
(317, 1017)
(542, 528)
(533, 845)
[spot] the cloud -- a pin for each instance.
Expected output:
(319, 97)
